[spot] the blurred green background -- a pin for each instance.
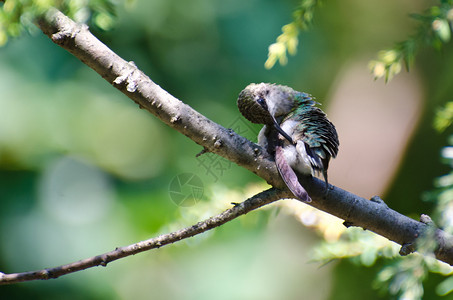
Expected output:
(83, 170)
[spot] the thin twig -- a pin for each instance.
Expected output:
(250, 204)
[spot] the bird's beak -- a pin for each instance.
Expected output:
(279, 129)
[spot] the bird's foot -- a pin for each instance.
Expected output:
(328, 187)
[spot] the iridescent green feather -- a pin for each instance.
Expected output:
(316, 131)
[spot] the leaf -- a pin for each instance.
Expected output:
(445, 287)
(289, 39)
(444, 117)
(442, 29)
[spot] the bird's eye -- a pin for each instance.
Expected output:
(262, 102)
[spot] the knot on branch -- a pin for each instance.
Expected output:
(407, 249)
(378, 200)
(217, 143)
(104, 260)
(425, 219)
(425, 241)
(175, 119)
(68, 34)
(130, 77)
(348, 224)
(46, 274)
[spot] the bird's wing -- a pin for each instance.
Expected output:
(318, 134)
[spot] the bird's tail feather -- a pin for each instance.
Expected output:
(289, 176)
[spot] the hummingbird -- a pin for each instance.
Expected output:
(296, 132)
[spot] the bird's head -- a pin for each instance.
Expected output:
(266, 103)
(252, 103)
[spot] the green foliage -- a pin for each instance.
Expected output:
(444, 117)
(17, 16)
(434, 30)
(288, 40)
(362, 247)
(403, 277)
(443, 195)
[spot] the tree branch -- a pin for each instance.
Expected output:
(373, 215)
(250, 204)
(357, 211)
(126, 77)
